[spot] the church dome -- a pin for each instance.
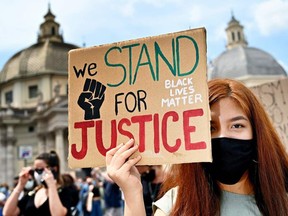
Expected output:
(239, 60)
(48, 55)
(40, 58)
(242, 61)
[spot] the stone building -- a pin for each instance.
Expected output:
(250, 65)
(34, 92)
(33, 101)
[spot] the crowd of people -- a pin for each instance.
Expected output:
(248, 174)
(43, 190)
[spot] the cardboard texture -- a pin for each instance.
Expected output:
(151, 89)
(274, 97)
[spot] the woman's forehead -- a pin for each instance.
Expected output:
(226, 107)
(39, 162)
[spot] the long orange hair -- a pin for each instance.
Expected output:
(199, 194)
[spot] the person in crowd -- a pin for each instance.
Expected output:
(92, 199)
(83, 196)
(29, 186)
(112, 198)
(151, 179)
(69, 184)
(248, 175)
(80, 184)
(4, 194)
(50, 197)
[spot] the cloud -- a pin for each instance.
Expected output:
(271, 16)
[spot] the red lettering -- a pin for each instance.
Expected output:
(99, 140)
(175, 118)
(122, 131)
(141, 120)
(188, 129)
(83, 151)
(156, 133)
(152, 123)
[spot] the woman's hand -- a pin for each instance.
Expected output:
(24, 176)
(49, 178)
(121, 168)
(11, 204)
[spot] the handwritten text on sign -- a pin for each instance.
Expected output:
(152, 89)
(274, 97)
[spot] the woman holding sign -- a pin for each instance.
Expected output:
(248, 175)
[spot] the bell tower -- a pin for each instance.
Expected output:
(235, 34)
(49, 29)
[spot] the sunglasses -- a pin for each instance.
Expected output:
(39, 171)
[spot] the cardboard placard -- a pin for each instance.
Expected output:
(274, 97)
(151, 89)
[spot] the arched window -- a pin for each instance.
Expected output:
(53, 30)
(9, 97)
(239, 36)
(233, 36)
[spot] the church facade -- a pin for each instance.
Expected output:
(33, 101)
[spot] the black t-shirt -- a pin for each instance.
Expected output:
(28, 208)
(96, 192)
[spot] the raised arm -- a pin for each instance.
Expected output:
(121, 169)
(11, 205)
(55, 205)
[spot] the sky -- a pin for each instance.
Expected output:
(96, 22)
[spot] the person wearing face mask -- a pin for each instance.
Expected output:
(49, 197)
(248, 175)
(151, 180)
(4, 194)
(29, 186)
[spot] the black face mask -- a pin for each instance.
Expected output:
(231, 158)
(150, 176)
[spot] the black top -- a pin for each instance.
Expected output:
(28, 208)
(96, 192)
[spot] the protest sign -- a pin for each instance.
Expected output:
(274, 97)
(152, 89)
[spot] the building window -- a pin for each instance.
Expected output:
(9, 97)
(31, 129)
(53, 30)
(233, 36)
(239, 36)
(33, 91)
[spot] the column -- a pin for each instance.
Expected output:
(59, 145)
(10, 155)
(3, 154)
(50, 144)
(41, 144)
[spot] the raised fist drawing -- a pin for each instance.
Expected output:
(91, 99)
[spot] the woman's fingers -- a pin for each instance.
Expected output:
(124, 152)
(118, 159)
(130, 163)
(25, 171)
(111, 152)
(117, 151)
